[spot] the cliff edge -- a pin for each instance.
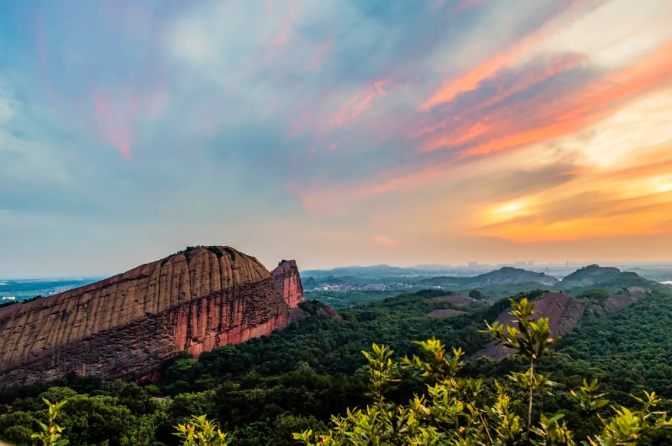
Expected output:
(127, 325)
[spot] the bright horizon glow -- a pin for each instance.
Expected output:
(334, 132)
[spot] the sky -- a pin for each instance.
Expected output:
(334, 132)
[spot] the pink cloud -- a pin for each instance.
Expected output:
(517, 51)
(357, 105)
(114, 116)
(320, 52)
(500, 131)
(113, 125)
(280, 41)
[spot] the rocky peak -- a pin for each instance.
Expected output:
(288, 280)
(194, 300)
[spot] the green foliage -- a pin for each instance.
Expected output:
(476, 294)
(454, 412)
(594, 296)
(201, 432)
(187, 252)
(261, 391)
(627, 427)
(51, 432)
(344, 299)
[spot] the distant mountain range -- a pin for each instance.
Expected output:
(508, 279)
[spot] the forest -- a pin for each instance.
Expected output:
(262, 391)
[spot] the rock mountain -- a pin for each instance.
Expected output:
(127, 325)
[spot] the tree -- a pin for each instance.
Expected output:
(530, 340)
(51, 433)
(455, 412)
(201, 432)
(476, 294)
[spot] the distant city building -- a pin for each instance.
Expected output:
(473, 264)
(531, 263)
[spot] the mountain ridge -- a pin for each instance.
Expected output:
(128, 324)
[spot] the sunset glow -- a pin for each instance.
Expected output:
(448, 131)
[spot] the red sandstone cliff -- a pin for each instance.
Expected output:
(288, 281)
(130, 323)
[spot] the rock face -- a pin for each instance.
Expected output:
(563, 313)
(288, 280)
(128, 324)
(456, 299)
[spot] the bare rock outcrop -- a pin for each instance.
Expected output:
(444, 313)
(456, 299)
(288, 280)
(563, 313)
(128, 324)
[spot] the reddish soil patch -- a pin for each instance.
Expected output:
(445, 313)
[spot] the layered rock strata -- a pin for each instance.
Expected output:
(128, 324)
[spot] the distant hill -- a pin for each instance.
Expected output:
(610, 279)
(589, 275)
(502, 276)
(509, 275)
(361, 271)
(309, 283)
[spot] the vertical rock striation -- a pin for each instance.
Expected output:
(128, 324)
(288, 281)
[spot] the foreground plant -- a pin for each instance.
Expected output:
(51, 433)
(201, 432)
(530, 340)
(454, 411)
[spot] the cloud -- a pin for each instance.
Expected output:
(490, 124)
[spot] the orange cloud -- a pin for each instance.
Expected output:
(509, 57)
(593, 103)
(639, 223)
(651, 71)
(498, 122)
(598, 203)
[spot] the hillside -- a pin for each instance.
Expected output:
(192, 301)
(565, 312)
(589, 275)
(264, 389)
(502, 276)
(610, 279)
